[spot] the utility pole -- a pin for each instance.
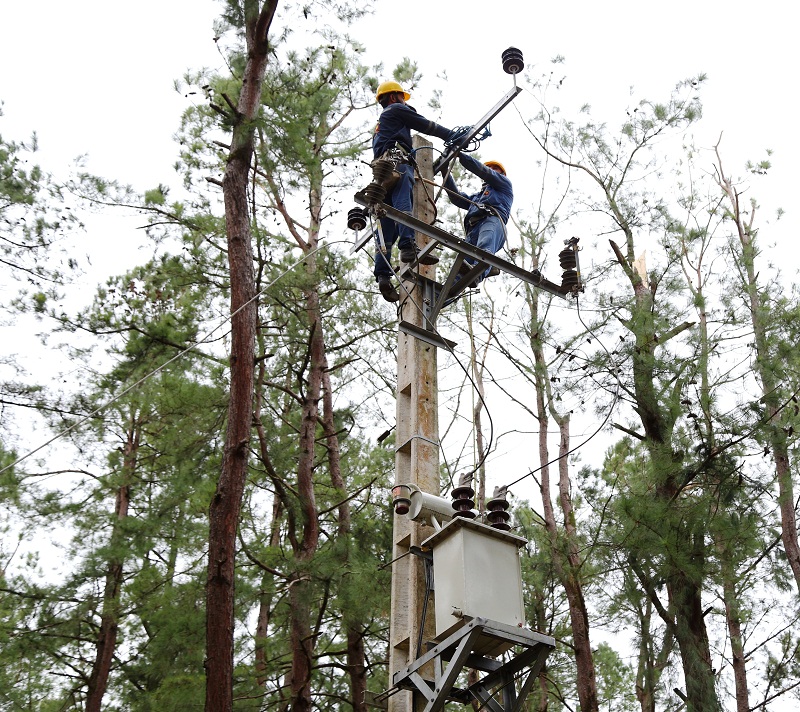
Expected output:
(416, 455)
(428, 647)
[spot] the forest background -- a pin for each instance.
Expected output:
(664, 564)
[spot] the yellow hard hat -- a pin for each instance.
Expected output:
(496, 165)
(388, 88)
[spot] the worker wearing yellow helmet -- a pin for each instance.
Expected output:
(396, 122)
(488, 210)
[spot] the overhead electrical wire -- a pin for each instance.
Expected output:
(160, 368)
(410, 297)
(587, 440)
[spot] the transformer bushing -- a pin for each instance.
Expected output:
(464, 497)
(496, 510)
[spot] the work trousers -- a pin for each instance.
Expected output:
(490, 235)
(400, 198)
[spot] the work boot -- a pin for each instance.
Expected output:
(409, 254)
(388, 292)
(493, 272)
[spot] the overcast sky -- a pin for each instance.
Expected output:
(96, 78)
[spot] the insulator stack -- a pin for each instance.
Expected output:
(374, 193)
(512, 61)
(567, 258)
(464, 498)
(382, 170)
(496, 510)
(356, 219)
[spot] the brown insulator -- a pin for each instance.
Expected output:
(569, 280)
(567, 258)
(382, 170)
(497, 513)
(356, 219)
(464, 497)
(512, 61)
(463, 502)
(374, 193)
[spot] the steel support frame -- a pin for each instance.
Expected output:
(461, 247)
(458, 651)
(436, 296)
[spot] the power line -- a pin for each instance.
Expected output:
(160, 368)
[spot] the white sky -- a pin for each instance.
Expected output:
(96, 78)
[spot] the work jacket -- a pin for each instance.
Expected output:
(396, 123)
(496, 192)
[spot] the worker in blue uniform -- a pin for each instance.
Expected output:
(488, 210)
(396, 122)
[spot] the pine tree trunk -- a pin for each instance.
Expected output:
(658, 419)
(650, 664)
(109, 620)
(356, 661)
(690, 632)
(357, 669)
(765, 368)
(226, 504)
(734, 620)
(579, 616)
(645, 688)
(265, 602)
(301, 639)
(563, 546)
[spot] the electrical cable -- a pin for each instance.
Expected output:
(459, 132)
(160, 368)
(475, 389)
(428, 565)
(592, 436)
(409, 296)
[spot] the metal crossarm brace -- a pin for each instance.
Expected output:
(477, 128)
(458, 650)
(462, 247)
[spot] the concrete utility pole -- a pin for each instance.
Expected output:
(416, 455)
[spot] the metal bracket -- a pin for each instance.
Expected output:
(429, 337)
(496, 690)
(363, 239)
(462, 247)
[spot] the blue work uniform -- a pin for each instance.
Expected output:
(487, 210)
(395, 125)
